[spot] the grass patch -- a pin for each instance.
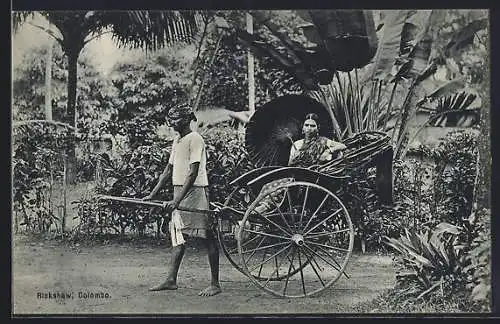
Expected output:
(66, 240)
(393, 302)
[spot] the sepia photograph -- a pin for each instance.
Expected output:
(313, 162)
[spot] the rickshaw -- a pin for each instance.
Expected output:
(301, 245)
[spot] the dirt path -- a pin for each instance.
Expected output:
(126, 272)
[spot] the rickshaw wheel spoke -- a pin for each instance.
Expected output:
(311, 257)
(301, 274)
(289, 268)
(255, 250)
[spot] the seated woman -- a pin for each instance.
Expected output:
(313, 149)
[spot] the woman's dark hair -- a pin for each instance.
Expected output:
(314, 117)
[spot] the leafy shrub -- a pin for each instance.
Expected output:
(478, 269)
(384, 221)
(37, 167)
(134, 175)
(414, 186)
(430, 259)
(372, 220)
(456, 159)
(88, 214)
(439, 186)
(145, 89)
(226, 160)
(455, 259)
(89, 165)
(442, 190)
(136, 172)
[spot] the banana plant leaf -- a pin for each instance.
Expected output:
(347, 35)
(446, 89)
(390, 43)
(415, 48)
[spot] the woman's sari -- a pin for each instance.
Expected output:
(310, 152)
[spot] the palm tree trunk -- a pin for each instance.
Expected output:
(72, 79)
(251, 72)
(48, 84)
(72, 55)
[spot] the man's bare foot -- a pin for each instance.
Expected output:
(167, 285)
(210, 291)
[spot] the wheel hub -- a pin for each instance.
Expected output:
(298, 239)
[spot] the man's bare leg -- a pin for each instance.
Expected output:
(213, 259)
(171, 282)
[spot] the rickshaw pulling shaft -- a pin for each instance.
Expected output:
(151, 203)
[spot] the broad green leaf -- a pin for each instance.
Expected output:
(420, 20)
(444, 254)
(420, 57)
(418, 257)
(446, 89)
(416, 46)
(414, 239)
(395, 246)
(447, 228)
(389, 44)
(427, 249)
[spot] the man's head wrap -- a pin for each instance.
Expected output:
(181, 111)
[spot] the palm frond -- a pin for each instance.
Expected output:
(153, 29)
(446, 89)
(454, 109)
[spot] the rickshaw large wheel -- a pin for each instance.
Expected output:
(306, 240)
(238, 199)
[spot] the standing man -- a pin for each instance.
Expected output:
(187, 166)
